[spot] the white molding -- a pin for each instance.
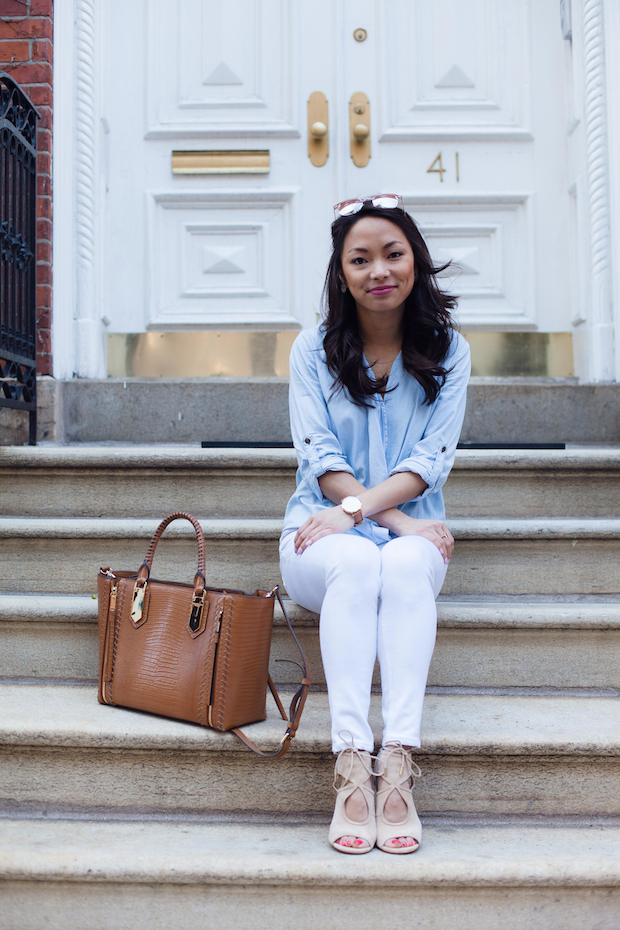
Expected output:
(483, 198)
(466, 134)
(253, 131)
(611, 11)
(63, 203)
(240, 195)
(89, 359)
(76, 329)
(601, 336)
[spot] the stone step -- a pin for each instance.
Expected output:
(64, 754)
(493, 556)
(179, 410)
(509, 642)
(149, 480)
(170, 876)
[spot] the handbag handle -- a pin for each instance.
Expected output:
(145, 569)
(296, 705)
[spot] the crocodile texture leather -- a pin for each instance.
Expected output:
(190, 652)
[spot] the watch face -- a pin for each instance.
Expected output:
(351, 505)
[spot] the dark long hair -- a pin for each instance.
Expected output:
(427, 324)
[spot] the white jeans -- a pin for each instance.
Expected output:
(373, 600)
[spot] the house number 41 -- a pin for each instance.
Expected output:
(438, 168)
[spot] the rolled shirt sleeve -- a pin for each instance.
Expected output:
(316, 444)
(432, 456)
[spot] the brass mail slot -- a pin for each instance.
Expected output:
(236, 161)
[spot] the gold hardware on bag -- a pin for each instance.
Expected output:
(216, 639)
(219, 624)
(195, 616)
(137, 602)
(113, 596)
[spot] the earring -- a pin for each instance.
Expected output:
(343, 287)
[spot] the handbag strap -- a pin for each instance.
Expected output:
(145, 569)
(296, 705)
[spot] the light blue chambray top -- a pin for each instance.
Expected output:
(398, 433)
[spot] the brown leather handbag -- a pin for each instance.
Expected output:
(188, 651)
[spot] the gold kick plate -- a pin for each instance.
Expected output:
(235, 161)
(318, 129)
(359, 129)
(243, 354)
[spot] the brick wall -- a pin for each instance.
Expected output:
(26, 34)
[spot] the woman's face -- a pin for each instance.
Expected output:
(378, 265)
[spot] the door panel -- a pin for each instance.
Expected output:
(221, 257)
(221, 69)
(455, 70)
(467, 122)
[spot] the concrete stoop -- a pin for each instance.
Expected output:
(178, 410)
(157, 876)
(111, 818)
(549, 642)
(121, 480)
(482, 754)
(62, 555)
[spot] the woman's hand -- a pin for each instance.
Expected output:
(435, 530)
(323, 523)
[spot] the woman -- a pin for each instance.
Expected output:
(377, 399)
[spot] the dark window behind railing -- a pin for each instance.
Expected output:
(18, 265)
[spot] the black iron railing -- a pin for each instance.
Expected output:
(18, 266)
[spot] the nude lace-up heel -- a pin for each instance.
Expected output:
(352, 770)
(397, 768)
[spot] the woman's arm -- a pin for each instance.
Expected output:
(380, 503)
(381, 499)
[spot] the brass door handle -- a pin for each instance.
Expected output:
(318, 129)
(359, 106)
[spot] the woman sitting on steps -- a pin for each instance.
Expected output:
(377, 399)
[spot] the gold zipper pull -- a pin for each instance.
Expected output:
(113, 596)
(219, 625)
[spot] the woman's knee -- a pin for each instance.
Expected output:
(356, 561)
(408, 558)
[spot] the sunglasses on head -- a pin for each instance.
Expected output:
(382, 201)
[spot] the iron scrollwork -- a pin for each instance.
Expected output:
(16, 109)
(18, 199)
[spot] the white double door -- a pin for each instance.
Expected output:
(467, 121)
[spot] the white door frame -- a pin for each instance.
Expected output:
(78, 332)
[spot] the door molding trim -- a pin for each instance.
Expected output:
(77, 338)
(601, 354)
(439, 134)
